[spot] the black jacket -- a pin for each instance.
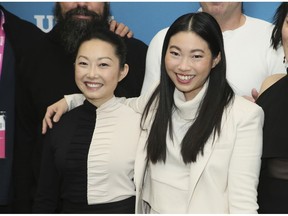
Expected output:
(21, 38)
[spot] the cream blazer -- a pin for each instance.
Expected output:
(225, 178)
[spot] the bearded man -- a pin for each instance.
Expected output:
(48, 75)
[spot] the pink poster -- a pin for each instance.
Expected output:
(2, 143)
(2, 135)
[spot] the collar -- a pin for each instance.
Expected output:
(109, 106)
(188, 109)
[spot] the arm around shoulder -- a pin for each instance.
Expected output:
(153, 61)
(56, 110)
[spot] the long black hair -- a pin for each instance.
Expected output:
(278, 21)
(210, 112)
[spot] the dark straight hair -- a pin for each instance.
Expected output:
(218, 95)
(278, 21)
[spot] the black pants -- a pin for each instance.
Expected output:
(126, 206)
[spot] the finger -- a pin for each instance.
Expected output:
(124, 31)
(130, 34)
(113, 25)
(47, 118)
(57, 116)
(120, 29)
(46, 122)
(255, 93)
(49, 122)
(44, 126)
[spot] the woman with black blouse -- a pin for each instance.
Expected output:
(88, 157)
(273, 182)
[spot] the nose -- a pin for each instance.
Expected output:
(81, 4)
(184, 64)
(93, 73)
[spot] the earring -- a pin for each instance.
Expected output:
(285, 63)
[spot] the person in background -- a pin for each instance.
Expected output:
(99, 138)
(48, 75)
(273, 182)
(250, 58)
(199, 152)
(18, 38)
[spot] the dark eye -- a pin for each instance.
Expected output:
(82, 63)
(174, 53)
(197, 56)
(103, 65)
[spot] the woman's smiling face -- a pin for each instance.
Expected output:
(97, 71)
(188, 62)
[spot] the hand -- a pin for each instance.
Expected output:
(56, 110)
(254, 94)
(120, 29)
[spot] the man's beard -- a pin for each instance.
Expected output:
(73, 29)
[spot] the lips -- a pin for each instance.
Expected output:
(93, 85)
(184, 78)
(84, 17)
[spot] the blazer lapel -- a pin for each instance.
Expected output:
(197, 168)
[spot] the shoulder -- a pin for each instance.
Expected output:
(163, 31)
(257, 21)
(124, 105)
(17, 23)
(245, 109)
(156, 43)
(70, 117)
(160, 35)
(269, 81)
(259, 24)
(24, 36)
(240, 103)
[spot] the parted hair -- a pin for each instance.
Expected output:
(218, 95)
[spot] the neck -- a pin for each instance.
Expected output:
(231, 23)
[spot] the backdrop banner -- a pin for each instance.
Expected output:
(145, 19)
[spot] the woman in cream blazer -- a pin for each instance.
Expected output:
(203, 144)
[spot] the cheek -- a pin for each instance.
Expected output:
(111, 77)
(98, 8)
(65, 7)
(169, 64)
(285, 35)
(78, 76)
(285, 40)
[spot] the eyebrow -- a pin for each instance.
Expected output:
(81, 56)
(192, 51)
